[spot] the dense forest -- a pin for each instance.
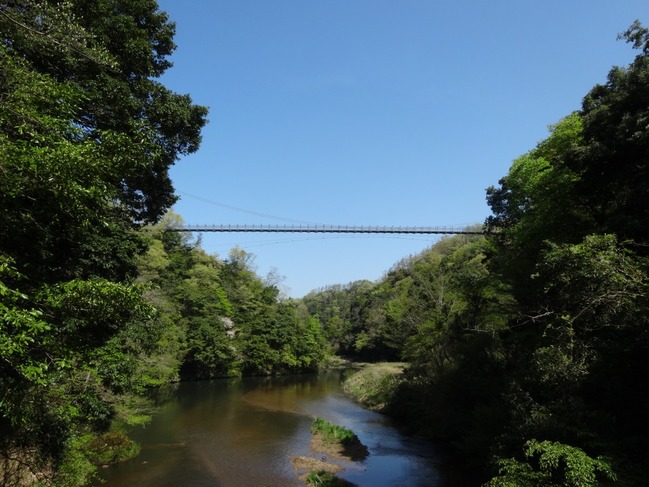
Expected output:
(525, 348)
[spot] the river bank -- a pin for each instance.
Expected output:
(374, 385)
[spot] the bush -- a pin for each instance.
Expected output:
(552, 463)
(111, 447)
(333, 432)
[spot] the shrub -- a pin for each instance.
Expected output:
(333, 432)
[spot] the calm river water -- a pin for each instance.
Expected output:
(244, 433)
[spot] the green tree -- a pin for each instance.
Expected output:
(208, 312)
(613, 156)
(116, 51)
(589, 333)
(86, 139)
(582, 179)
(536, 202)
(572, 217)
(553, 464)
(78, 86)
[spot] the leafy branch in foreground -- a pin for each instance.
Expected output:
(550, 463)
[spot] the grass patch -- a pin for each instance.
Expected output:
(332, 432)
(337, 441)
(374, 385)
(326, 479)
(334, 442)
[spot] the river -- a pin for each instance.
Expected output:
(244, 433)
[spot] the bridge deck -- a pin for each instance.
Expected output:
(327, 229)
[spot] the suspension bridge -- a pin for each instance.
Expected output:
(433, 230)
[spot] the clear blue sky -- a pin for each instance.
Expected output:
(373, 112)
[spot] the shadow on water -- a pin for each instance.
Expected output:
(357, 452)
(245, 432)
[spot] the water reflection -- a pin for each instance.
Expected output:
(245, 432)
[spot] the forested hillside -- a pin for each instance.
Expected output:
(220, 317)
(527, 349)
